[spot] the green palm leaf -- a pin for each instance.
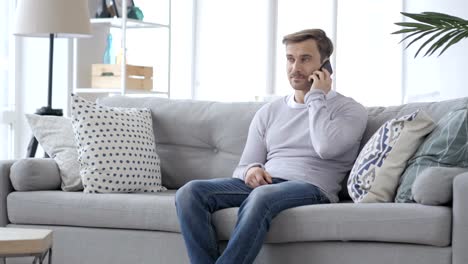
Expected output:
(440, 42)
(448, 29)
(454, 40)
(420, 36)
(430, 40)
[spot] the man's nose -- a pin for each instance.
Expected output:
(295, 66)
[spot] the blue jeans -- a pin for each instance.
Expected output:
(198, 199)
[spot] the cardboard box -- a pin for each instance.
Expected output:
(109, 76)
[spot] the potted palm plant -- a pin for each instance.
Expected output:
(441, 29)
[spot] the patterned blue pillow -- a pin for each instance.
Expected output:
(375, 174)
(446, 146)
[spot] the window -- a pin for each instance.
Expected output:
(231, 50)
(369, 58)
(232, 45)
(6, 81)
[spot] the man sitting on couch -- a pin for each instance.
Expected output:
(299, 148)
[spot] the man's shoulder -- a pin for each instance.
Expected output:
(347, 99)
(344, 97)
(347, 104)
(274, 105)
(270, 110)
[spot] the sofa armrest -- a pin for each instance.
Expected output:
(460, 219)
(5, 189)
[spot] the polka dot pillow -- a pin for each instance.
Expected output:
(116, 148)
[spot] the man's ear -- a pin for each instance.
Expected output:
(325, 60)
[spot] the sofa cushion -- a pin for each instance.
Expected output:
(156, 211)
(152, 211)
(353, 222)
(208, 136)
(375, 174)
(116, 148)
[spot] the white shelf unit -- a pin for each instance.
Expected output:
(131, 23)
(88, 51)
(115, 91)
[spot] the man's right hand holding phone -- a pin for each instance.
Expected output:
(321, 78)
(257, 176)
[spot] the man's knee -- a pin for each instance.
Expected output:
(261, 196)
(188, 193)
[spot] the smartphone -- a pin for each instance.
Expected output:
(325, 65)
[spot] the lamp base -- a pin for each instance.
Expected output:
(49, 111)
(32, 146)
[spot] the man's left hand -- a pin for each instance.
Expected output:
(322, 80)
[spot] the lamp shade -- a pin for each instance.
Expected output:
(63, 18)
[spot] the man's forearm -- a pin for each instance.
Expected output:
(333, 135)
(254, 153)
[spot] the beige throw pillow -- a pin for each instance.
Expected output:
(376, 172)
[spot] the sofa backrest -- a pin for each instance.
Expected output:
(379, 115)
(203, 140)
(194, 139)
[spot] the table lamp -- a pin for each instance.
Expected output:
(51, 19)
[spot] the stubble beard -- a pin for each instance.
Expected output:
(305, 87)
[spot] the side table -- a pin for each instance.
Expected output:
(22, 242)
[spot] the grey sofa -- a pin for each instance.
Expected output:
(205, 140)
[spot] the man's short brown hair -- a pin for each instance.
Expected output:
(324, 43)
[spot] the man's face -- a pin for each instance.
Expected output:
(303, 58)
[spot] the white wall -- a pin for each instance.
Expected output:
(436, 78)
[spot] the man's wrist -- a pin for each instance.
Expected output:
(252, 165)
(314, 93)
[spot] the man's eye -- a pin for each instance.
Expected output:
(290, 59)
(305, 59)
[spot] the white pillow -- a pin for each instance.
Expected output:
(116, 148)
(376, 172)
(55, 135)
